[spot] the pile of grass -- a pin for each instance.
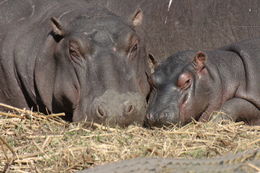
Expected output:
(32, 142)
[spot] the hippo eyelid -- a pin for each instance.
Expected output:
(74, 53)
(187, 84)
(133, 42)
(133, 51)
(134, 48)
(83, 46)
(76, 56)
(184, 81)
(78, 49)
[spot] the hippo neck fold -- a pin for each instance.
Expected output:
(34, 63)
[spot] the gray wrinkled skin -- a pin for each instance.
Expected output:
(231, 163)
(66, 56)
(194, 84)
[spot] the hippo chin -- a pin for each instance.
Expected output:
(68, 56)
(219, 84)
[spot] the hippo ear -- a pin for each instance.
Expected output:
(199, 61)
(137, 18)
(57, 27)
(152, 63)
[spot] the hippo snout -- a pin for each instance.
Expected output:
(160, 119)
(114, 108)
(104, 111)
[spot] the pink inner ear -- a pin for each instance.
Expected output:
(57, 27)
(138, 18)
(201, 56)
(199, 61)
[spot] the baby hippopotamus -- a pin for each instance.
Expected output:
(207, 85)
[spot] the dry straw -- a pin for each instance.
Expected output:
(32, 142)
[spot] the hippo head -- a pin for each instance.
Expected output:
(180, 90)
(98, 69)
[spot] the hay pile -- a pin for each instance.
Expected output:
(31, 142)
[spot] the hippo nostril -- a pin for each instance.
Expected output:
(129, 109)
(149, 116)
(100, 112)
(164, 115)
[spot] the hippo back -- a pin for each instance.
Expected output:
(12, 12)
(249, 52)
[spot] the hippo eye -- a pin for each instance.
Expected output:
(73, 53)
(132, 53)
(184, 81)
(187, 83)
(74, 50)
(134, 48)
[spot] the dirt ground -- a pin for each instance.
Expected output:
(32, 142)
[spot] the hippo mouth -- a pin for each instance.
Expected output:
(161, 119)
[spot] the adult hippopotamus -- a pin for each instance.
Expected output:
(194, 84)
(68, 56)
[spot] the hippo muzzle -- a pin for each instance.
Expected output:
(113, 108)
(167, 114)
